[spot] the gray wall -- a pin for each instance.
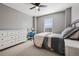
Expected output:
(58, 20)
(12, 19)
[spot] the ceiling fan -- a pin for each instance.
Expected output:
(37, 6)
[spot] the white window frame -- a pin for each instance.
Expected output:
(52, 23)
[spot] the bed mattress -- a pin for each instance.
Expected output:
(50, 41)
(39, 38)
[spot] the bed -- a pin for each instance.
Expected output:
(49, 41)
(38, 39)
(54, 41)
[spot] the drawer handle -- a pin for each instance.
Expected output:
(11, 37)
(2, 45)
(12, 33)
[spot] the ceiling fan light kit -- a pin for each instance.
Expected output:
(37, 6)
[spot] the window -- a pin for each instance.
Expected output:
(48, 24)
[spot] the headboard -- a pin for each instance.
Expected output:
(75, 23)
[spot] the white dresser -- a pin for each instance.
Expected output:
(11, 37)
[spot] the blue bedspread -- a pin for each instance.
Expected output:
(56, 43)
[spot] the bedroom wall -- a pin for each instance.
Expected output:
(75, 12)
(13, 19)
(58, 20)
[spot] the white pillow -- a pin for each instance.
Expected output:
(66, 31)
(77, 25)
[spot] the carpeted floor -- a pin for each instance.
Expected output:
(27, 49)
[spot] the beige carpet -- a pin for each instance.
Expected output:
(27, 49)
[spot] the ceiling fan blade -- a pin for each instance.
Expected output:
(32, 7)
(32, 3)
(42, 6)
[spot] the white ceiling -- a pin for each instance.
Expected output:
(51, 8)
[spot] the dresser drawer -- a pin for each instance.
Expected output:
(11, 33)
(7, 44)
(3, 39)
(11, 42)
(2, 46)
(11, 37)
(3, 34)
